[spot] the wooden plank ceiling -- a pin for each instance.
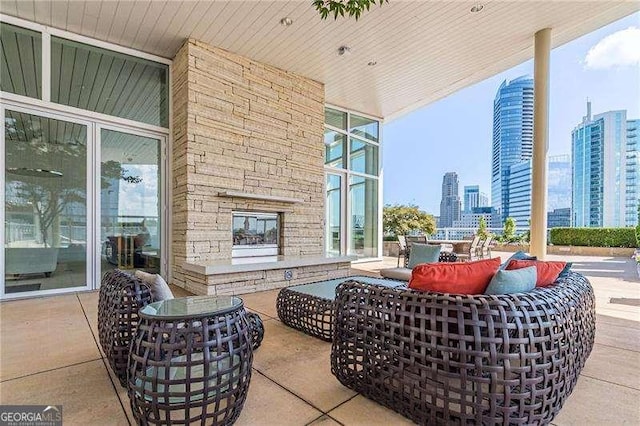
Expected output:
(423, 50)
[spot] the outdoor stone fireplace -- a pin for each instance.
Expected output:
(247, 138)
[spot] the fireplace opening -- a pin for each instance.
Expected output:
(255, 234)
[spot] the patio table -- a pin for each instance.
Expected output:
(190, 361)
(310, 307)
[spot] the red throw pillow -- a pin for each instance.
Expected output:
(548, 271)
(454, 277)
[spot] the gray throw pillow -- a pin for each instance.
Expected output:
(513, 281)
(157, 286)
(423, 253)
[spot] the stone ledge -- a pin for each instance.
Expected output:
(274, 198)
(262, 264)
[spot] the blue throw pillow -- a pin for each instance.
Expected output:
(513, 281)
(519, 255)
(566, 270)
(423, 253)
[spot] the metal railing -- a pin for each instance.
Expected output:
(462, 233)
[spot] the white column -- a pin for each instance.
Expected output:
(540, 144)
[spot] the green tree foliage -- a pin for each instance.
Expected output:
(638, 229)
(509, 231)
(482, 228)
(400, 219)
(353, 8)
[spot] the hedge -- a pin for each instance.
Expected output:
(593, 237)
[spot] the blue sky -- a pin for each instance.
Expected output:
(454, 134)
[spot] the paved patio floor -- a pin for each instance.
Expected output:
(49, 354)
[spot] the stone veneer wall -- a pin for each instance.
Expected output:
(241, 125)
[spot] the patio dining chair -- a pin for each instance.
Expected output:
(402, 247)
(484, 249)
(472, 254)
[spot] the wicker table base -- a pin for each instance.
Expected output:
(310, 307)
(190, 361)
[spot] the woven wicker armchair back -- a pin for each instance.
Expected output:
(121, 296)
(450, 359)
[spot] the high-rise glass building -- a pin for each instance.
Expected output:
(633, 173)
(474, 198)
(559, 183)
(450, 204)
(599, 152)
(519, 185)
(512, 136)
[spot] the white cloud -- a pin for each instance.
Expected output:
(620, 49)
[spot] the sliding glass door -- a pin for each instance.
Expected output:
(46, 198)
(130, 195)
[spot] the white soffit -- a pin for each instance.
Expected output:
(424, 50)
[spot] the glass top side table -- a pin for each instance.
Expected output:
(190, 361)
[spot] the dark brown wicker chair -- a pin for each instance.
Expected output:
(121, 296)
(451, 359)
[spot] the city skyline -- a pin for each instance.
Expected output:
(436, 134)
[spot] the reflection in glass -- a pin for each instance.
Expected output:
(46, 203)
(363, 194)
(130, 201)
(255, 229)
(364, 157)
(364, 127)
(333, 215)
(109, 82)
(334, 143)
(335, 118)
(21, 70)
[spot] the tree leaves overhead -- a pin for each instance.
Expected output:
(401, 219)
(352, 8)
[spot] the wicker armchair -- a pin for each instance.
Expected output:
(121, 296)
(451, 359)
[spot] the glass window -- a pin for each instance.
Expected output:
(363, 193)
(21, 61)
(335, 118)
(130, 201)
(334, 212)
(363, 157)
(334, 143)
(109, 82)
(364, 127)
(46, 203)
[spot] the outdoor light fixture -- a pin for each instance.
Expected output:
(24, 171)
(477, 8)
(286, 21)
(344, 50)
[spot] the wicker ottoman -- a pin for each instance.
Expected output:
(309, 307)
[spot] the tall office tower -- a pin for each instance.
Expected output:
(519, 185)
(450, 204)
(599, 157)
(559, 183)
(633, 172)
(474, 198)
(512, 136)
